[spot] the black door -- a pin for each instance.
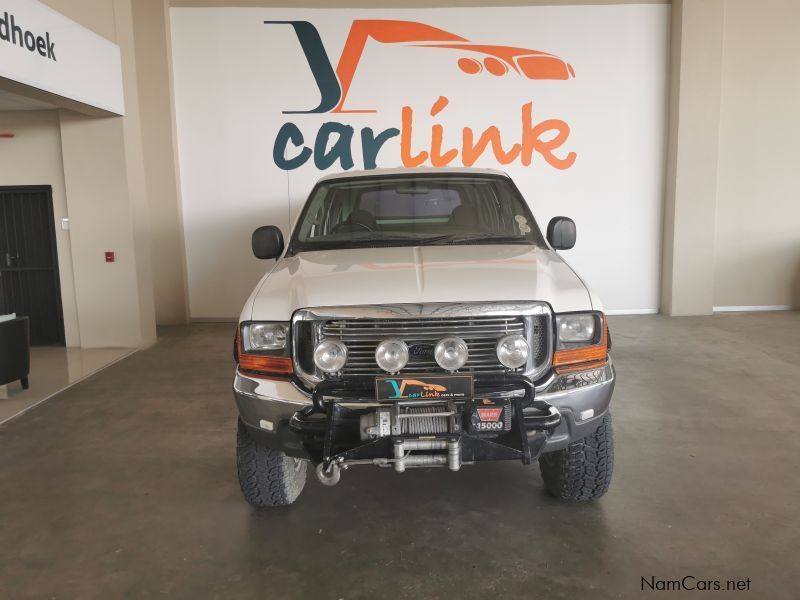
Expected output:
(29, 284)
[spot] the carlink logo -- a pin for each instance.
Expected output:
(432, 387)
(13, 33)
(333, 141)
(334, 85)
(417, 389)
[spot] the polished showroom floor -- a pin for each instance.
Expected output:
(124, 486)
(54, 368)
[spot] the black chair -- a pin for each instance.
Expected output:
(15, 351)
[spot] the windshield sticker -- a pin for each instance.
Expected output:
(524, 228)
(520, 219)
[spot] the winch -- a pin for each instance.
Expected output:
(411, 418)
(417, 419)
(420, 431)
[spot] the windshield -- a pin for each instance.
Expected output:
(404, 210)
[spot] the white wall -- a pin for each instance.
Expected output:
(154, 78)
(96, 169)
(234, 75)
(757, 251)
(106, 198)
(691, 182)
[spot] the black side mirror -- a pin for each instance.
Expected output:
(561, 233)
(267, 242)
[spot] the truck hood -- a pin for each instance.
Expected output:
(417, 274)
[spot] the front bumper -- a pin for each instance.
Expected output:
(267, 406)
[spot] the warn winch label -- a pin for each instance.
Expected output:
(489, 414)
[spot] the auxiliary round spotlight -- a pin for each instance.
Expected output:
(330, 355)
(391, 355)
(451, 353)
(513, 351)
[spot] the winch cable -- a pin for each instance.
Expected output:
(423, 425)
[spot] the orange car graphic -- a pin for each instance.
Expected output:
(497, 60)
(334, 85)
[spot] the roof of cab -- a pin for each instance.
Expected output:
(414, 171)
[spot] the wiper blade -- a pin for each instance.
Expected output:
(359, 242)
(473, 237)
(380, 240)
(434, 239)
(386, 238)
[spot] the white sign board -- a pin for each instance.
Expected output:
(45, 50)
(569, 100)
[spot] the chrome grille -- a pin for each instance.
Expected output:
(480, 324)
(362, 336)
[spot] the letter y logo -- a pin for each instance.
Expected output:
(334, 85)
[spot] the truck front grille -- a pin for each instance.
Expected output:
(362, 336)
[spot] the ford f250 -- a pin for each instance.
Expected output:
(419, 318)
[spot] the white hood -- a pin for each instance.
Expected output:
(417, 275)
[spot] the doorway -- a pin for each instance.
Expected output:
(29, 280)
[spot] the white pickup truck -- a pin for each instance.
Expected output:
(419, 318)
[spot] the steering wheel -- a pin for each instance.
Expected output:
(351, 224)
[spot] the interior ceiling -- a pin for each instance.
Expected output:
(10, 101)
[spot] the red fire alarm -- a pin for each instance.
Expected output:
(110, 257)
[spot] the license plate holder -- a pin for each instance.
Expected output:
(421, 387)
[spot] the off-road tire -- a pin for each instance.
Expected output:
(582, 471)
(267, 476)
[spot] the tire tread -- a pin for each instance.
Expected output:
(583, 470)
(267, 476)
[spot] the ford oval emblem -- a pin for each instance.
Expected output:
(421, 351)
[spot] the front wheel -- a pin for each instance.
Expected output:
(582, 471)
(267, 476)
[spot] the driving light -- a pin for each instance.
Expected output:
(512, 351)
(265, 336)
(451, 353)
(391, 355)
(576, 327)
(330, 356)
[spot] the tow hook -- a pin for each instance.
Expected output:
(329, 476)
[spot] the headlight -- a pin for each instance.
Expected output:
(451, 353)
(577, 328)
(391, 355)
(330, 356)
(258, 337)
(582, 342)
(512, 351)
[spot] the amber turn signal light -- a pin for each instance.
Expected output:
(268, 367)
(584, 354)
(595, 364)
(264, 367)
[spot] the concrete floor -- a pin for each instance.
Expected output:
(124, 486)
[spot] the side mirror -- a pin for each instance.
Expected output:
(267, 242)
(561, 233)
